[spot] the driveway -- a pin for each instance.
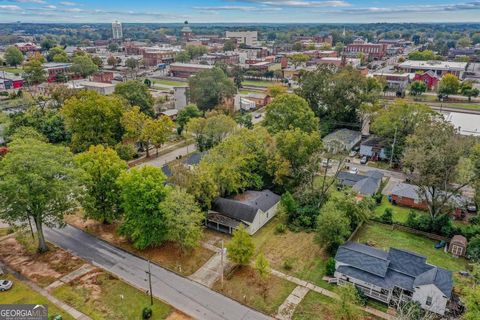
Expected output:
(186, 295)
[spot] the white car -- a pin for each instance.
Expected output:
(5, 285)
(353, 171)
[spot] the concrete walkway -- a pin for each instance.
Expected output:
(286, 310)
(327, 293)
(210, 272)
(86, 268)
(71, 311)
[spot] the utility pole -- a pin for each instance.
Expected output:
(393, 147)
(149, 272)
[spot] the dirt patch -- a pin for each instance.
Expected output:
(177, 315)
(168, 255)
(42, 269)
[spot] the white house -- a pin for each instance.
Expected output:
(394, 277)
(253, 209)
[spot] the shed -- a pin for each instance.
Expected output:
(458, 245)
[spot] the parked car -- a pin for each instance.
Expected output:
(353, 170)
(471, 208)
(258, 116)
(364, 160)
(5, 285)
(352, 153)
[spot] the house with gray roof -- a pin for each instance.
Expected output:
(394, 277)
(342, 140)
(253, 209)
(365, 185)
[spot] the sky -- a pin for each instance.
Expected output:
(244, 11)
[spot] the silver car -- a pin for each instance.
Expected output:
(5, 285)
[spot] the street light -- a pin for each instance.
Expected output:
(150, 282)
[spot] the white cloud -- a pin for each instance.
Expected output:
(302, 3)
(67, 3)
(10, 7)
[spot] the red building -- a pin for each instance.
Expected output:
(54, 70)
(103, 77)
(371, 50)
(26, 47)
(429, 77)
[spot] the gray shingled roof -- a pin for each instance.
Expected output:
(406, 190)
(244, 207)
(367, 184)
(397, 267)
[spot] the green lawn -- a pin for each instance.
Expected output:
(106, 297)
(12, 70)
(385, 237)
(171, 83)
(314, 306)
(5, 231)
(246, 287)
(400, 214)
(22, 294)
(306, 258)
(259, 83)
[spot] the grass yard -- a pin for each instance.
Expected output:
(5, 231)
(170, 83)
(297, 249)
(385, 237)
(22, 294)
(102, 296)
(246, 287)
(167, 255)
(315, 306)
(400, 214)
(12, 70)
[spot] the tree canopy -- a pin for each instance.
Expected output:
(289, 111)
(13, 56)
(208, 88)
(101, 167)
(137, 94)
(93, 119)
(38, 181)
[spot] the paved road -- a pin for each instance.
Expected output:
(169, 157)
(186, 295)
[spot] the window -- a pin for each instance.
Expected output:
(429, 301)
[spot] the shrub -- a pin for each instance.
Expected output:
(378, 198)
(411, 220)
(280, 228)
(362, 298)
(125, 151)
(330, 267)
(387, 216)
(288, 264)
(474, 220)
(473, 250)
(147, 313)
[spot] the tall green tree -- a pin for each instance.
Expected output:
(208, 88)
(38, 181)
(210, 131)
(93, 119)
(184, 218)
(417, 88)
(142, 190)
(101, 168)
(137, 94)
(333, 227)
(57, 54)
(184, 116)
(13, 56)
(289, 111)
(398, 120)
(295, 149)
(83, 65)
(240, 249)
(435, 159)
(33, 72)
(449, 85)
